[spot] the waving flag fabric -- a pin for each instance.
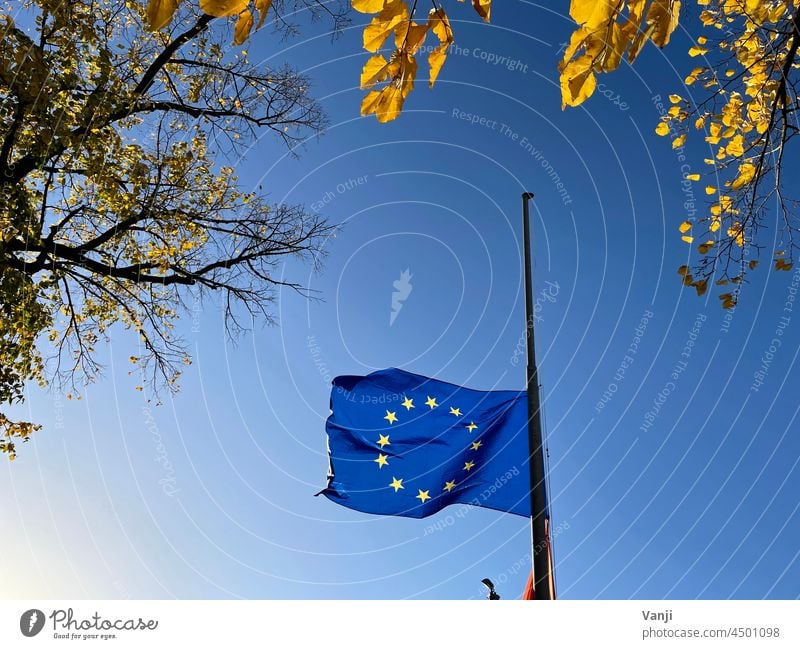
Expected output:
(402, 444)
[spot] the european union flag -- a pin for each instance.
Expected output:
(402, 444)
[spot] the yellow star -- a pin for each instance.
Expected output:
(423, 495)
(476, 445)
(467, 465)
(396, 484)
(391, 417)
(455, 411)
(471, 426)
(383, 440)
(381, 460)
(449, 486)
(408, 403)
(431, 402)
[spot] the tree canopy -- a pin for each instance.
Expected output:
(121, 121)
(742, 100)
(118, 192)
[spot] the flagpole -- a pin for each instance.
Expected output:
(539, 514)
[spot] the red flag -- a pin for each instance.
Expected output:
(529, 593)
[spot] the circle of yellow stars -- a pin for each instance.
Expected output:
(383, 440)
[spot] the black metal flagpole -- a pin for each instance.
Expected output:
(541, 560)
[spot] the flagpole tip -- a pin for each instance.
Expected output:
(527, 196)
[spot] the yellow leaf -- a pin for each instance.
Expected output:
(576, 41)
(387, 103)
(223, 8)
(375, 69)
(693, 75)
(685, 226)
(262, 6)
(687, 238)
(638, 42)
(701, 286)
(697, 51)
(407, 73)
(244, 25)
(370, 102)
(439, 24)
(368, 6)
(410, 36)
(703, 248)
(577, 81)
(593, 13)
(694, 177)
(711, 190)
(613, 48)
(699, 123)
(736, 146)
(664, 15)
(395, 12)
(635, 13)
(483, 8)
(436, 60)
(662, 129)
(678, 141)
(777, 12)
(160, 12)
(747, 172)
(675, 99)
(780, 264)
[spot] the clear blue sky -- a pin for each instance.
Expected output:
(690, 494)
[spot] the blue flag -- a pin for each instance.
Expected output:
(402, 444)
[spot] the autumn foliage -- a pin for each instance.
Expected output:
(395, 23)
(113, 203)
(119, 205)
(741, 100)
